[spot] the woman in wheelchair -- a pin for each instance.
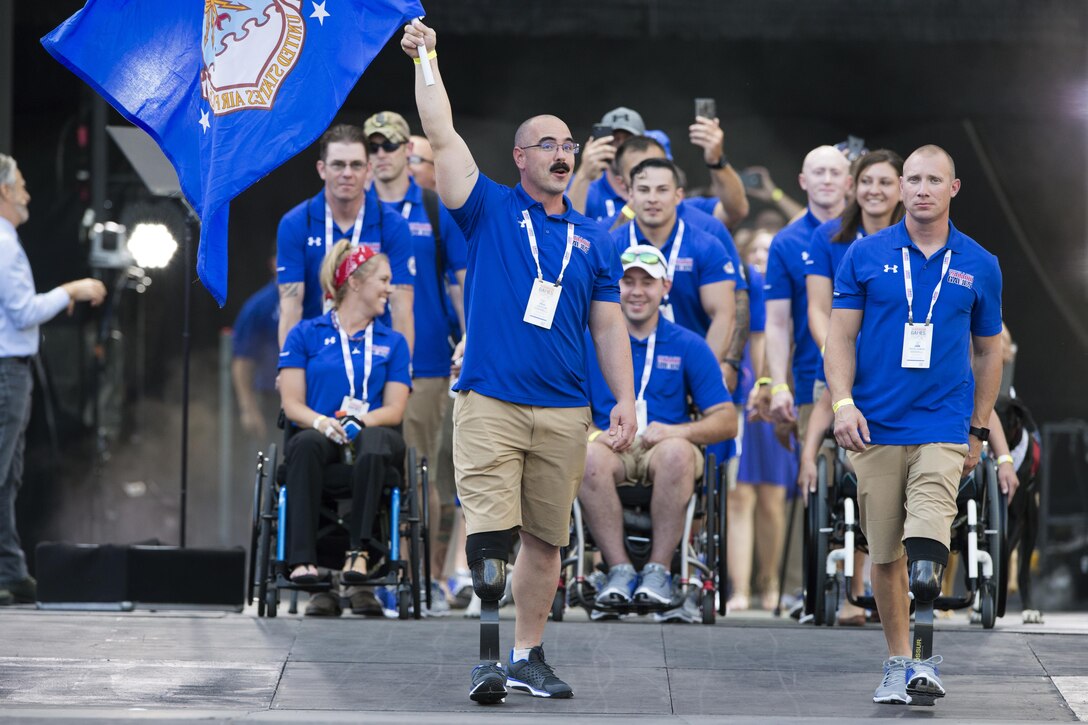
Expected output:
(343, 366)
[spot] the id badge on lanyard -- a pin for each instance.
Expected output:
(350, 404)
(666, 306)
(544, 296)
(355, 232)
(642, 413)
(918, 339)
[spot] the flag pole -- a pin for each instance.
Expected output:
(186, 349)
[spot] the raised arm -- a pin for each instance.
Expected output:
(454, 168)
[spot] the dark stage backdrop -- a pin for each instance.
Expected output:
(786, 78)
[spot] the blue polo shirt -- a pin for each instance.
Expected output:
(701, 261)
(300, 246)
(256, 335)
(506, 357)
(824, 255)
(683, 365)
(602, 201)
(907, 406)
(314, 345)
(785, 280)
(432, 306)
(705, 204)
(757, 321)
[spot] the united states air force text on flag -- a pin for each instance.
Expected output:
(229, 89)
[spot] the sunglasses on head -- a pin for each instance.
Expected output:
(386, 146)
(644, 257)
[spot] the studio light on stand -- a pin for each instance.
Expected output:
(152, 245)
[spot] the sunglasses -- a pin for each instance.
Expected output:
(386, 146)
(644, 257)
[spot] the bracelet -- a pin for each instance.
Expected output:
(845, 401)
(776, 195)
(430, 56)
(317, 422)
(595, 435)
(763, 381)
(1005, 458)
(780, 388)
(627, 211)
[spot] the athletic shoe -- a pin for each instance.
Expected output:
(440, 606)
(893, 688)
(24, 591)
(620, 585)
(923, 680)
(460, 588)
(536, 676)
(656, 584)
(488, 683)
(472, 611)
(687, 613)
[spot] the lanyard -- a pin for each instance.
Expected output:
(528, 223)
(610, 207)
(651, 342)
(909, 285)
(368, 357)
(670, 270)
(354, 232)
(406, 210)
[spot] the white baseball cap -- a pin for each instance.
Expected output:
(646, 257)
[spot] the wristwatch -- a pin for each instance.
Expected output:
(735, 364)
(721, 164)
(983, 434)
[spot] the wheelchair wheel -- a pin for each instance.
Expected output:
(265, 540)
(273, 602)
(255, 529)
(404, 603)
(425, 526)
(816, 541)
(711, 534)
(831, 600)
(559, 604)
(997, 511)
(722, 500)
(708, 606)
(988, 605)
(415, 543)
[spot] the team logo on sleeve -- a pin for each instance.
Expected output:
(581, 243)
(729, 268)
(668, 362)
(249, 48)
(961, 278)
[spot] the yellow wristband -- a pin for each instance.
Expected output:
(763, 381)
(845, 401)
(595, 435)
(776, 195)
(1006, 458)
(780, 388)
(317, 422)
(627, 212)
(430, 56)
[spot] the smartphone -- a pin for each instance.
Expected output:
(600, 130)
(706, 107)
(855, 147)
(752, 179)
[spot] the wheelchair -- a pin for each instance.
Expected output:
(832, 533)
(404, 515)
(701, 552)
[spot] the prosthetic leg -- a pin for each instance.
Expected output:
(927, 562)
(488, 554)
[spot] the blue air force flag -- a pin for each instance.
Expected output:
(229, 89)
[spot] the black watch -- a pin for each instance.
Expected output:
(722, 163)
(983, 434)
(735, 364)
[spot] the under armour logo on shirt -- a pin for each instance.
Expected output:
(893, 268)
(330, 340)
(521, 222)
(314, 241)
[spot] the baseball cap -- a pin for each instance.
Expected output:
(624, 119)
(389, 124)
(646, 257)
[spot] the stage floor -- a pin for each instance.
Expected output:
(215, 667)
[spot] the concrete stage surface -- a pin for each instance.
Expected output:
(214, 667)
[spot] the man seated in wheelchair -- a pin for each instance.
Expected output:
(344, 383)
(670, 364)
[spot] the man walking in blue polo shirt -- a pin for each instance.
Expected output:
(912, 303)
(539, 274)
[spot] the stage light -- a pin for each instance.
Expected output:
(152, 245)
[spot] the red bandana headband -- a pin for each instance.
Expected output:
(357, 258)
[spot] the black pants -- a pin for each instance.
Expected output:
(378, 451)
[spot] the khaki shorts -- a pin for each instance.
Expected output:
(636, 464)
(518, 465)
(804, 412)
(423, 428)
(907, 492)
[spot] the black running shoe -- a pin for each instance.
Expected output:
(488, 683)
(536, 676)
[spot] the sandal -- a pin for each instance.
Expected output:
(305, 574)
(355, 568)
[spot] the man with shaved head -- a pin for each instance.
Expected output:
(539, 274)
(911, 402)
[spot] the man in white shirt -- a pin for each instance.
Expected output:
(22, 310)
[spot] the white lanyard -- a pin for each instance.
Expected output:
(610, 207)
(368, 357)
(670, 270)
(536, 250)
(354, 232)
(406, 210)
(909, 285)
(651, 342)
